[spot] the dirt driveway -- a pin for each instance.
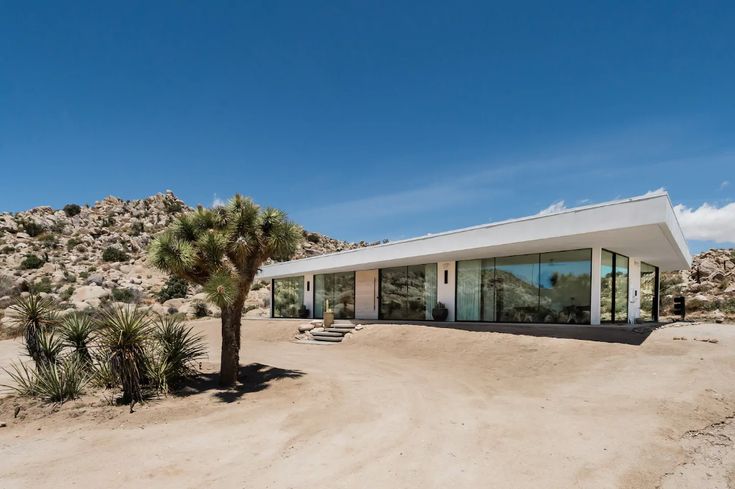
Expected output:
(407, 407)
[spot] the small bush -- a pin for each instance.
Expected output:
(258, 285)
(6, 250)
(312, 237)
(112, 254)
(72, 210)
(43, 285)
(172, 206)
(124, 295)
(66, 294)
(32, 228)
(72, 243)
(174, 288)
(49, 240)
(200, 309)
(84, 275)
(53, 383)
(137, 229)
(31, 262)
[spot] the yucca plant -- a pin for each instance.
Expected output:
(101, 368)
(78, 331)
(34, 315)
(50, 349)
(222, 249)
(178, 347)
(124, 333)
(53, 382)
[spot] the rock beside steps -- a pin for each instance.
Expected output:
(320, 335)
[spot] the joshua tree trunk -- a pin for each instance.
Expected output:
(230, 362)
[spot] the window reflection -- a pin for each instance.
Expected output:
(288, 296)
(339, 290)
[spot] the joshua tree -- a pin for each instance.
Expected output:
(222, 249)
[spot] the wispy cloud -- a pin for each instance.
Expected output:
(217, 201)
(658, 191)
(553, 208)
(724, 184)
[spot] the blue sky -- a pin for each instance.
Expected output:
(373, 120)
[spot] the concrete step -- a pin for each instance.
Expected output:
(338, 329)
(332, 334)
(333, 339)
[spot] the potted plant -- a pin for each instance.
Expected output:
(440, 312)
(303, 311)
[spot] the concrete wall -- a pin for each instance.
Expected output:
(445, 291)
(309, 293)
(366, 294)
(634, 289)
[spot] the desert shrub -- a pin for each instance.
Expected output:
(124, 295)
(72, 210)
(84, 275)
(258, 285)
(72, 243)
(174, 288)
(35, 316)
(200, 309)
(53, 383)
(6, 250)
(49, 240)
(124, 333)
(112, 254)
(32, 228)
(108, 222)
(77, 332)
(57, 227)
(69, 277)
(172, 206)
(137, 228)
(42, 285)
(250, 307)
(312, 237)
(66, 294)
(178, 350)
(31, 262)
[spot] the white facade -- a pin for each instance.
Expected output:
(644, 229)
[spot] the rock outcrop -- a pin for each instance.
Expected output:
(86, 256)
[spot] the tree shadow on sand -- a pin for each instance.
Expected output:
(253, 378)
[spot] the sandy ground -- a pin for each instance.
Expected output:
(404, 407)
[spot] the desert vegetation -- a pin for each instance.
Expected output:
(127, 350)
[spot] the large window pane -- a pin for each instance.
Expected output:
(476, 290)
(606, 286)
(649, 292)
(517, 290)
(621, 288)
(565, 286)
(288, 296)
(408, 292)
(339, 290)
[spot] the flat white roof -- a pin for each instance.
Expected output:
(643, 227)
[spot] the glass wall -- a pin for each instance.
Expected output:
(614, 287)
(546, 287)
(517, 290)
(606, 286)
(565, 284)
(339, 290)
(288, 296)
(649, 292)
(408, 293)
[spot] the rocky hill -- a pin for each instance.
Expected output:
(708, 286)
(85, 256)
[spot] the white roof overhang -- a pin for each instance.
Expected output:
(643, 227)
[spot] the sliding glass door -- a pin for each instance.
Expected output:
(338, 289)
(614, 287)
(649, 292)
(288, 296)
(408, 293)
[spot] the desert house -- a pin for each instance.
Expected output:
(587, 265)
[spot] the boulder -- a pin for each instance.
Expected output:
(303, 328)
(87, 293)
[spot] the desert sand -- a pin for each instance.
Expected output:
(400, 406)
